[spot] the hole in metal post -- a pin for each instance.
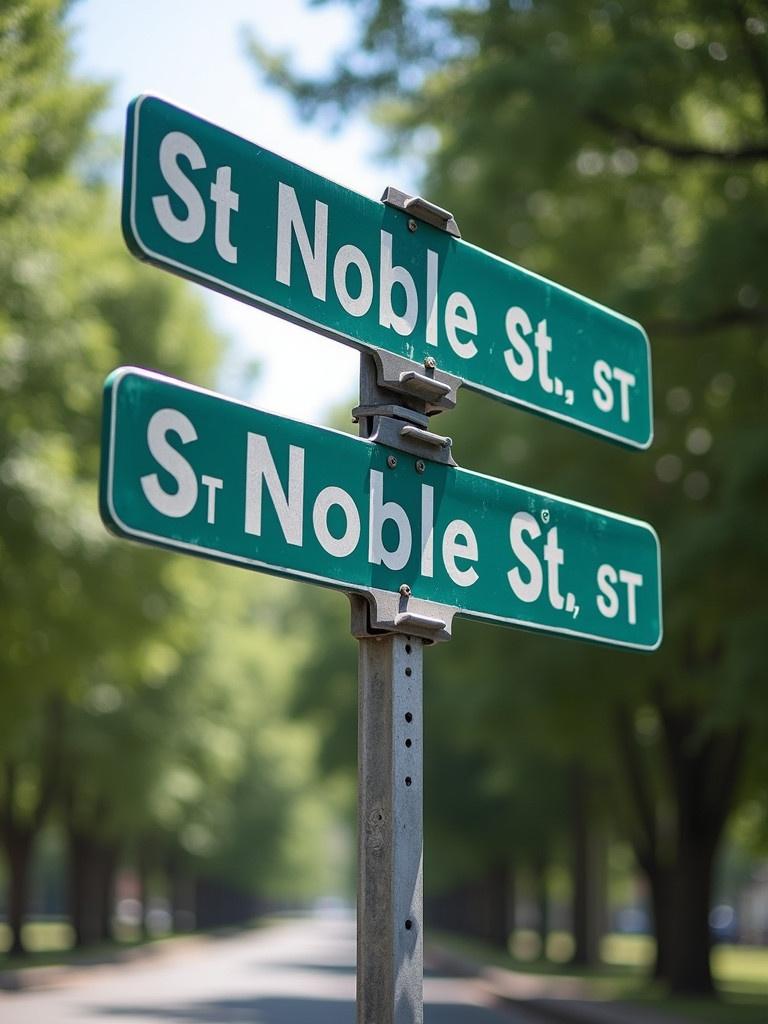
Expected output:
(408, 780)
(409, 671)
(409, 743)
(407, 648)
(408, 716)
(409, 924)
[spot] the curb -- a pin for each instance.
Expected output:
(571, 1007)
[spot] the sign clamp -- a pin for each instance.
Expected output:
(422, 382)
(378, 612)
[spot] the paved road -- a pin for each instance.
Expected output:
(296, 972)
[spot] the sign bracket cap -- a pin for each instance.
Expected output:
(422, 209)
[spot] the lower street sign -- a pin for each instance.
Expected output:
(194, 471)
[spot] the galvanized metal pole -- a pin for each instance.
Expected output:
(390, 945)
(390, 955)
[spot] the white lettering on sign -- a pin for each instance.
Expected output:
(530, 589)
(523, 528)
(520, 358)
(180, 502)
(460, 315)
(225, 201)
(337, 521)
(392, 275)
(350, 256)
(347, 542)
(459, 541)
(398, 294)
(380, 512)
(290, 222)
(603, 394)
(393, 279)
(427, 530)
(214, 484)
(190, 228)
(289, 507)
(432, 271)
(609, 600)
(543, 344)
(554, 556)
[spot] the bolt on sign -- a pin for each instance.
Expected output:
(191, 470)
(222, 211)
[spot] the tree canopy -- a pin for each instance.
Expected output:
(621, 149)
(142, 706)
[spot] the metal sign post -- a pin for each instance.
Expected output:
(390, 955)
(390, 759)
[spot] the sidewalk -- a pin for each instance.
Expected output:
(552, 999)
(19, 979)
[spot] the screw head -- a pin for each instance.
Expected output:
(412, 225)
(405, 590)
(420, 467)
(430, 363)
(391, 461)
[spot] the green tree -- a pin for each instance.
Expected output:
(73, 305)
(621, 149)
(191, 767)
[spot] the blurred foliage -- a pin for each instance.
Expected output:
(142, 695)
(620, 148)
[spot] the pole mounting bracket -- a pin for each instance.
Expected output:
(380, 612)
(431, 389)
(406, 437)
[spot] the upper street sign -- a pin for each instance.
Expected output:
(194, 471)
(222, 211)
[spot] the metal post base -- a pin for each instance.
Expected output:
(390, 956)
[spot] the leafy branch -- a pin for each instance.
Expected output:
(679, 150)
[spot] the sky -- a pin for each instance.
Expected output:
(192, 52)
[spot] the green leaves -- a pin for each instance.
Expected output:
(622, 150)
(168, 677)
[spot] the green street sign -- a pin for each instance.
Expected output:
(194, 471)
(222, 211)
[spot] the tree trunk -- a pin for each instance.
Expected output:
(542, 900)
(108, 861)
(18, 845)
(497, 905)
(688, 960)
(703, 771)
(91, 873)
(659, 884)
(587, 876)
(142, 871)
(680, 897)
(181, 889)
(18, 833)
